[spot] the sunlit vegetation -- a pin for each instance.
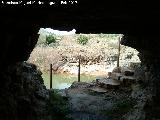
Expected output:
(50, 39)
(82, 39)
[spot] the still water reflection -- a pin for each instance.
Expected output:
(62, 81)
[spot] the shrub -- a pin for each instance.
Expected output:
(50, 39)
(82, 39)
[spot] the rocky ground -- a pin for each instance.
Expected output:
(89, 105)
(94, 101)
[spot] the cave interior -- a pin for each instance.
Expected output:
(139, 22)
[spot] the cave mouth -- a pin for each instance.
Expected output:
(99, 55)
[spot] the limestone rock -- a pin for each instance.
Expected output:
(116, 76)
(117, 70)
(109, 83)
(81, 85)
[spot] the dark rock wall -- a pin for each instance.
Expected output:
(16, 47)
(149, 73)
(23, 95)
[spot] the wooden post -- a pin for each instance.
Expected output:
(79, 68)
(50, 76)
(118, 52)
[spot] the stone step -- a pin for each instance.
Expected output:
(108, 83)
(123, 70)
(116, 76)
(127, 80)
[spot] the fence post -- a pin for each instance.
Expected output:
(50, 76)
(118, 52)
(79, 62)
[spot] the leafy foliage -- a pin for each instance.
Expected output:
(51, 39)
(82, 39)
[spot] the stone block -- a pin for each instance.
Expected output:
(116, 76)
(127, 80)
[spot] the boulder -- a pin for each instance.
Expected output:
(108, 83)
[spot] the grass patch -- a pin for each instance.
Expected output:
(57, 106)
